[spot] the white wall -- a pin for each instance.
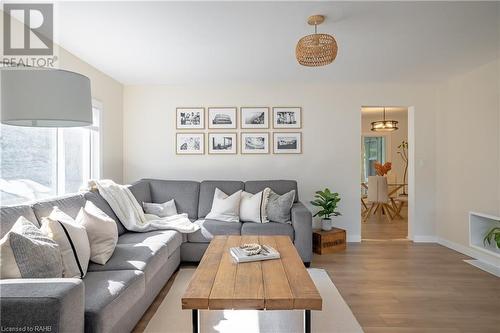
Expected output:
(395, 138)
(468, 150)
(331, 139)
(110, 93)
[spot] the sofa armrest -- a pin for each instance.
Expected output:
(302, 226)
(48, 305)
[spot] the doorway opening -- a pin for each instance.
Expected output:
(384, 173)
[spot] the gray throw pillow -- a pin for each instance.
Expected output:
(31, 253)
(279, 206)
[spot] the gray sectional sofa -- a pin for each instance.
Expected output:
(113, 297)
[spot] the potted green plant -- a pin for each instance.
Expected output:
(493, 235)
(327, 201)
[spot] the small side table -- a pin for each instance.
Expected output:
(329, 241)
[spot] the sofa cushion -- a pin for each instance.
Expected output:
(103, 205)
(207, 190)
(185, 194)
(131, 257)
(278, 186)
(70, 205)
(141, 191)
(172, 239)
(270, 228)
(210, 228)
(111, 296)
(9, 216)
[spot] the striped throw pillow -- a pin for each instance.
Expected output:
(72, 240)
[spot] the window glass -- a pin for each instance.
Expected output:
(28, 167)
(374, 151)
(37, 163)
(76, 158)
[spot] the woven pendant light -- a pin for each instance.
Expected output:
(316, 49)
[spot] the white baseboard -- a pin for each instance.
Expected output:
(468, 251)
(353, 238)
(424, 239)
(495, 270)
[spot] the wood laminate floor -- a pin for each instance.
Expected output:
(378, 227)
(399, 286)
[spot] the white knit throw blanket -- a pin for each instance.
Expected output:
(130, 213)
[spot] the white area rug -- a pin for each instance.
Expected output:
(335, 316)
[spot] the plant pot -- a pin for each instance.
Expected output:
(326, 224)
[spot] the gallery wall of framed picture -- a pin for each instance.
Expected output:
(259, 130)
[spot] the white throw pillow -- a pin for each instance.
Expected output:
(253, 206)
(225, 208)
(101, 231)
(72, 240)
(162, 210)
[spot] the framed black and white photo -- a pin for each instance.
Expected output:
(222, 143)
(190, 143)
(287, 143)
(222, 117)
(254, 117)
(254, 143)
(287, 117)
(190, 118)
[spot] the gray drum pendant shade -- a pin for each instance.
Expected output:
(45, 98)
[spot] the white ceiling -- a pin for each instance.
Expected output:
(244, 42)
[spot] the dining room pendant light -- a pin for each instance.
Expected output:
(384, 125)
(316, 49)
(36, 97)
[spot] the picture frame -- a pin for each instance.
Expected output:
(287, 117)
(190, 143)
(255, 143)
(222, 117)
(223, 143)
(256, 117)
(190, 118)
(287, 142)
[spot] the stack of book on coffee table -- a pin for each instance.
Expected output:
(242, 255)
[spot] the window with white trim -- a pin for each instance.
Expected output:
(38, 163)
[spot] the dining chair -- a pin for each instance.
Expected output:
(378, 197)
(398, 203)
(364, 196)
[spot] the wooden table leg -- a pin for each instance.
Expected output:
(307, 321)
(397, 209)
(195, 320)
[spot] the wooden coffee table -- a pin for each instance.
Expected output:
(219, 283)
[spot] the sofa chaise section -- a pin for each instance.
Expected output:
(54, 304)
(112, 297)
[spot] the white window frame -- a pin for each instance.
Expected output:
(96, 174)
(94, 141)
